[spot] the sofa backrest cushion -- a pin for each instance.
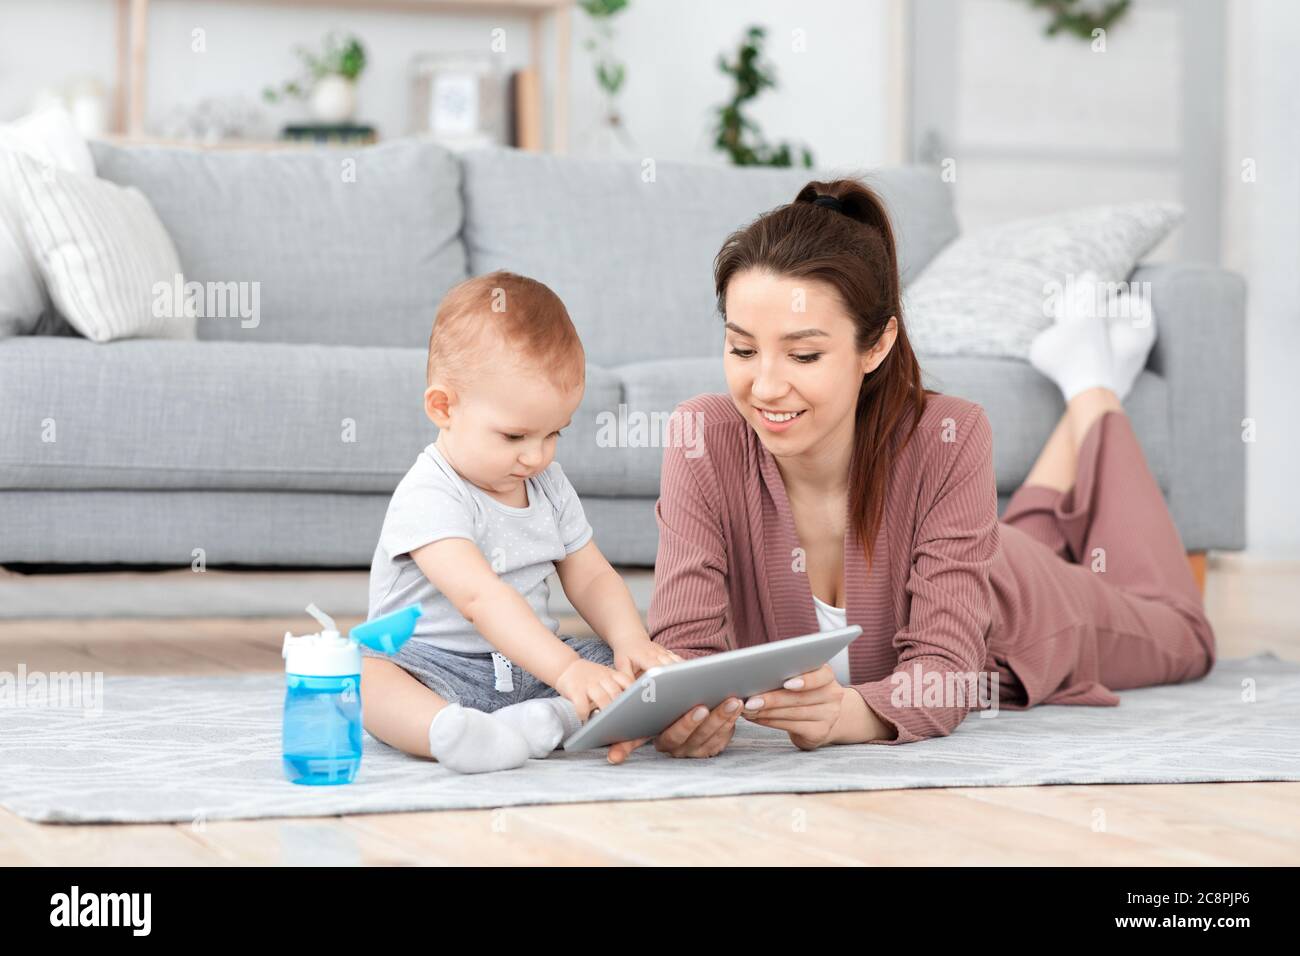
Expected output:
(347, 246)
(633, 259)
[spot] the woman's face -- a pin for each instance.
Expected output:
(790, 349)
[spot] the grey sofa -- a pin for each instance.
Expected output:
(238, 443)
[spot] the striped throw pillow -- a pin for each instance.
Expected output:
(101, 250)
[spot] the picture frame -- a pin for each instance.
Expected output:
(460, 100)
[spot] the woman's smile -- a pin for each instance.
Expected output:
(776, 420)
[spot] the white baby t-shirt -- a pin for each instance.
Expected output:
(522, 545)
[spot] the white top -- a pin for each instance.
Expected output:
(828, 619)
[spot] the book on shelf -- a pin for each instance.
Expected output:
(331, 133)
(526, 109)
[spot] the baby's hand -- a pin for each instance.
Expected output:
(642, 656)
(589, 685)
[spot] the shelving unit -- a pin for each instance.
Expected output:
(133, 50)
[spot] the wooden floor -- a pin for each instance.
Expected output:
(1253, 608)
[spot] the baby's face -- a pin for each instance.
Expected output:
(502, 429)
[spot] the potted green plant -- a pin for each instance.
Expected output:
(328, 78)
(610, 135)
(735, 133)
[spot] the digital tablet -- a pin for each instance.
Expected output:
(662, 694)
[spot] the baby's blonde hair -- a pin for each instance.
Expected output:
(502, 310)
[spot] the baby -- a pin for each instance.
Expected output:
(472, 533)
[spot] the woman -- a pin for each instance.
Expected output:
(827, 440)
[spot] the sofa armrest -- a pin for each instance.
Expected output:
(1200, 352)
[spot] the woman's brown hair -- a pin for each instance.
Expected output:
(853, 251)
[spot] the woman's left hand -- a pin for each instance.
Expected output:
(807, 711)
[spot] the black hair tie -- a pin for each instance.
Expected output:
(831, 201)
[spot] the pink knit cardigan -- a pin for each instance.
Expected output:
(951, 591)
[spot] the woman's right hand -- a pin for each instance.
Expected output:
(697, 733)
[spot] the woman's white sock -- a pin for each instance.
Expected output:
(1132, 334)
(471, 741)
(1075, 351)
(544, 722)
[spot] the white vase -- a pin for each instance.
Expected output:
(608, 138)
(333, 99)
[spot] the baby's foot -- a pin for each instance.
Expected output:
(545, 722)
(470, 741)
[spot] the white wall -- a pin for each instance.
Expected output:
(1262, 242)
(831, 96)
(1045, 123)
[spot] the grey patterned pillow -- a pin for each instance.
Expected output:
(990, 293)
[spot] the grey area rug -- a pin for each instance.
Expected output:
(191, 749)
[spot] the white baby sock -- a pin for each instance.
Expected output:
(1132, 334)
(1075, 351)
(471, 741)
(545, 722)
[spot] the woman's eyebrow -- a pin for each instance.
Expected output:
(801, 334)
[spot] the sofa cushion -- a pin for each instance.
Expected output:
(619, 449)
(164, 414)
(140, 414)
(633, 260)
(347, 246)
(1023, 408)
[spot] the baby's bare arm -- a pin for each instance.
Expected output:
(395, 707)
(458, 569)
(599, 594)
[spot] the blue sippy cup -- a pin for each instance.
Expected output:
(322, 700)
